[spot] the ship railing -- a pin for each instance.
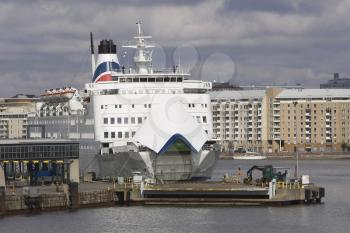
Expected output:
(175, 71)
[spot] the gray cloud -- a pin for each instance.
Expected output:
(279, 6)
(45, 44)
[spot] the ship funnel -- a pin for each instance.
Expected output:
(107, 61)
(107, 47)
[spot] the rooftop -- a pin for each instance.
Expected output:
(313, 93)
(34, 141)
(231, 94)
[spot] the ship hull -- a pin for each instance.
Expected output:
(164, 167)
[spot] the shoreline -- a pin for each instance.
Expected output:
(301, 157)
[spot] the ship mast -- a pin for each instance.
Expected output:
(143, 57)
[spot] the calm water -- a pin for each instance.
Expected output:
(333, 216)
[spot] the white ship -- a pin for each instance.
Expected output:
(138, 119)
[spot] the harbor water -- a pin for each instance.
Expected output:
(332, 216)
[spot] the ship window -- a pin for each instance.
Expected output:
(112, 134)
(126, 120)
(192, 105)
(145, 105)
(105, 120)
(119, 120)
(144, 80)
(159, 79)
(105, 134)
(172, 79)
(120, 134)
(126, 134)
(101, 108)
(139, 120)
(120, 106)
(151, 80)
(179, 79)
(136, 80)
(132, 120)
(149, 105)
(133, 133)
(133, 105)
(189, 105)
(205, 105)
(198, 119)
(112, 120)
(204, 119)
(166, 79)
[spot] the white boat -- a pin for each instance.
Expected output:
(249, 156)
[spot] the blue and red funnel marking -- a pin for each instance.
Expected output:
(103, 71)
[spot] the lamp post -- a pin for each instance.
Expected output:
(295, 103)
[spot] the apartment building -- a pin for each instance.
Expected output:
(312, 120)
(282, 120)
(237, 118)
(13, 116)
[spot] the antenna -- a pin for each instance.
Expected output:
(139, 32)
(93, 62)
(92, 43)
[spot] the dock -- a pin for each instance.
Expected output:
(101, 194)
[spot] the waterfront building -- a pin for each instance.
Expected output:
(336, 83)
(313, 120)
(237, 118)
(282, 120)
(13, 116)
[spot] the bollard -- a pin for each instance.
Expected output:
(2, 201)
(74, 195)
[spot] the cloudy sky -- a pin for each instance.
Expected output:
(45, 44)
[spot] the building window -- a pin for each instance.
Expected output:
(126, 120)
(105, 120)
(139, 120)
(145, 105)
(119, 120)
(120, 134)
(120, 106)
(101, 107)
(132, 120)
(133, 105)
(105, 134)
(204, 119)
(112, 134)
(126, 134)
(112, 120)
(132, 133)
(149, 105)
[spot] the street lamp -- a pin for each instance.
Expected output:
(295, 103)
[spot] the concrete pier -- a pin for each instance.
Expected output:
(2, 176)
(101, 194)
(74, 171)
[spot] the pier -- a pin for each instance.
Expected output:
(102, 194)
